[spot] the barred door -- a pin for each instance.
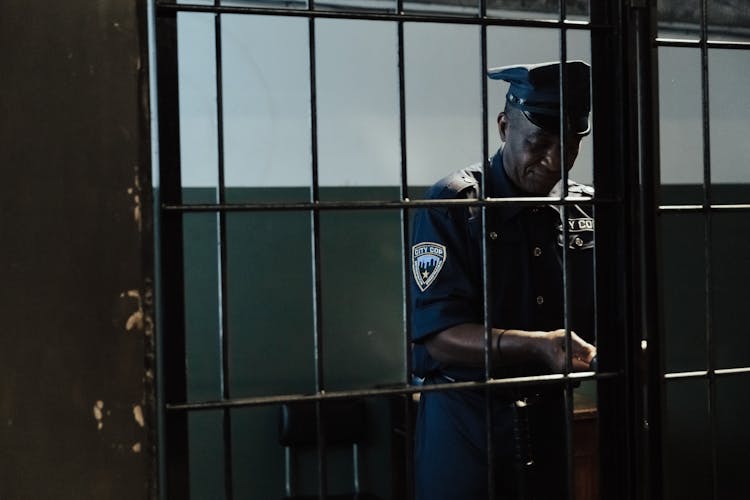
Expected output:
(295, 142)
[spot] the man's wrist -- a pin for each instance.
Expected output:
(519, 346)
(497, 344)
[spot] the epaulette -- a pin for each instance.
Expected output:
(574, 189)
(464, 185)
(580, 189)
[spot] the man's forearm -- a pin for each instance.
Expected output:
(464, 345)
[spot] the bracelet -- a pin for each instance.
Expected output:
(497, 344)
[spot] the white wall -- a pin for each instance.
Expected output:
(267, 101)
(680, 115)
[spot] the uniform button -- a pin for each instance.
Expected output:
(540, 300)
(537, 251)
(493, 235)
(578, 242)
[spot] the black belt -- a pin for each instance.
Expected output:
(528, 395)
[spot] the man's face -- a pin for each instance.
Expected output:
(531, 155)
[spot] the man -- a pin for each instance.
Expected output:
(526, 293)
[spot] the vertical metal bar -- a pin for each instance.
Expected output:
(355, 467)
(568, 391)
(564, 181)
(486, 260)
(288, 471)
(406, 260)
(708, 238)
(646, 474)
(173, 355)
(223, 287)
(483, 195)
(650, 475)
(158, 432)
(315, 234)
(404, 194)
(611, 93)
(563, 53)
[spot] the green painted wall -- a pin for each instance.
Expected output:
(687, 426)
(270, 322)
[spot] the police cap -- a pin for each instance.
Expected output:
(535, 90)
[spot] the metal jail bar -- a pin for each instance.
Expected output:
(176, 468)
(708, 232)
(165, 6)
(648, 392)
(384, 204)
(315, 228)
(566, 267)
(172, 205)
(486, 264)
(242, 402)
(408, 409)
(224, 332)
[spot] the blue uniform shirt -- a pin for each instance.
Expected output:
(525, 245)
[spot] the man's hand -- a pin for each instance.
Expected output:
(553, 351)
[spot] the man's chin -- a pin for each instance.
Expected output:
(539, 187)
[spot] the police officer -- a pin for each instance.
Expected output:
(526, 280)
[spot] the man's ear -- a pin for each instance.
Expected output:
(502, 125)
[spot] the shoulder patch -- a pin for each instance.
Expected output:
(427, 259)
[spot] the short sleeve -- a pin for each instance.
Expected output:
(444, 259)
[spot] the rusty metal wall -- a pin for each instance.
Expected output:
(76, 259)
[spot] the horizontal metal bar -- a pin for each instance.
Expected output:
(555, 379)
(732, 371)
(696, 43)
(740, 207)
(386, 204)
(695, 374)
(384, 16)
(706, 373)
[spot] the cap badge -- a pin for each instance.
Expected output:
(427, 260)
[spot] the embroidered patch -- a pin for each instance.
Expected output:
(427, 259)
(580, 231)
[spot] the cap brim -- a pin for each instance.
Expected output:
(551, 123)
